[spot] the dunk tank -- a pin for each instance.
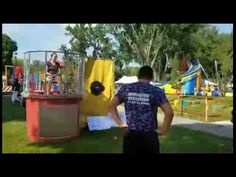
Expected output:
(54, 117)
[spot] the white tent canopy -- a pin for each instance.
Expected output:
(207, 82)
(127, 80)
(132, 79)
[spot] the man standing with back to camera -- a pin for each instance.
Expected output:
(141, 100)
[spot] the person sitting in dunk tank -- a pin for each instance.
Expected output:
(53, 73)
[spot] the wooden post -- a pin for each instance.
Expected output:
(206, 110)
(182, 107)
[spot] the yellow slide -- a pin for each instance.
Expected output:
(101, 70)
(168, 89)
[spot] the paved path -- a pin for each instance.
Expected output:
(221, 128)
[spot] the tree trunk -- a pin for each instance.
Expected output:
(222, 86)
(155, 75)
(166, 64)
(159, 71)
(213, 76)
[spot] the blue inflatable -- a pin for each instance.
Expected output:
(189, 85)
(214, 93)
(199, 93)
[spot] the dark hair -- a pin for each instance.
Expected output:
(53, 54)
(145, 72)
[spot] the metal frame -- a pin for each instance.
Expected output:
(50, 51)
(80, 64)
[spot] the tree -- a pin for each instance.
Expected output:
(154, 44)
(8, 48)
(162, 46)
(174, 69)
(69, 72)
(206, 42)
(84, 36)
(38, 66)
(223, 54)
(140, 41)
(131, 71)
(212, 46)
(18, 62)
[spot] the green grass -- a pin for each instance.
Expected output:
(182, 140)
(221, 114)
(12, 112)
(179, 140)
(15, 141)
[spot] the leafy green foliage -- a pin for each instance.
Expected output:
(18, 62)
(162, 46)
(8, 48)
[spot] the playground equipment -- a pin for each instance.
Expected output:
(9, 76)
(8, 79)
(52, 118)
(191, 80)
(16, 74)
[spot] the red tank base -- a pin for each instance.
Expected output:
(52, 119)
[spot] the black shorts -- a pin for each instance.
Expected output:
(141, 142)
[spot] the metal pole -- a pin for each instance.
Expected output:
(182, 107)
(78, 79)
(46, 54)
(29, 71)
(29, 58)
(24, 75)
(217, 80)
(206, 118)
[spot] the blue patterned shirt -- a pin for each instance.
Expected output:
(141, 101)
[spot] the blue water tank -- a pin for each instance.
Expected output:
(189, 85)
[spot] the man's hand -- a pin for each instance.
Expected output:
(113, 110)
(123, 126)
(169, 114)
(161, 131)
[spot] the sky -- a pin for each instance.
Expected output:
(52, 36)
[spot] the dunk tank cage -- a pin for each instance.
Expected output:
(54, 117)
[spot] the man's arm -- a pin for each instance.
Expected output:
(113, 110)
(169, 114)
